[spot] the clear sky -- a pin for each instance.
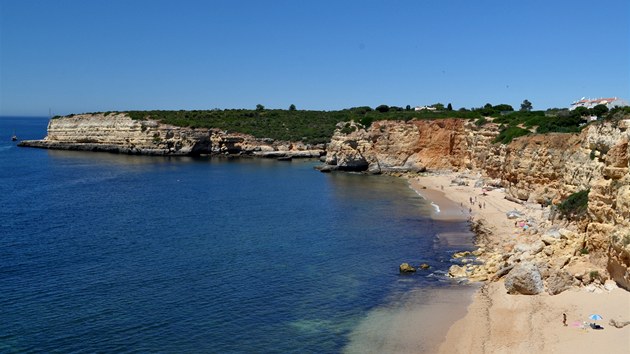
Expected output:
(74, 56)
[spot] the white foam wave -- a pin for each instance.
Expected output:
(420, 194)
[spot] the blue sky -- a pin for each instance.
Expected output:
(74, 56)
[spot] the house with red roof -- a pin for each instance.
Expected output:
(590, 103)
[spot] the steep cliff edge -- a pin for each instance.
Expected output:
(399, 146)
(543, 169)
(119, 133)
(608, 232)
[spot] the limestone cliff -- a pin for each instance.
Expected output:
(399, 146)
(119, 133)
(538, 169)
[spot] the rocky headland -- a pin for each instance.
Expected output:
(119, 133)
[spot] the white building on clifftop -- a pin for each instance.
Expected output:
(590, 103)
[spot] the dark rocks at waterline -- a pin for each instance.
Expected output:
(326, 168)
(406, 268)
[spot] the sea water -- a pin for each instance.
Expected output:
(114, 253)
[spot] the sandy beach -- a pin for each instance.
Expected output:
(497, 322)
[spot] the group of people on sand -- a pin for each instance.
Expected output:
(473, 201)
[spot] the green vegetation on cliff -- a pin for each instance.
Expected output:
(560, 122)
(289, 125)
(318, 126)
(508, 133)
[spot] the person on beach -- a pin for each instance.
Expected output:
(564, 319)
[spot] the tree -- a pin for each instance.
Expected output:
(408, 108)
(526, 106)
(383, 108)
(486, 110)
(600, 110)
(503, 108)
(260, 107)
(581, 111)
(438, 106)
(292, 107)
(449, 107)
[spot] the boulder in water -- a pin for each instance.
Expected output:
(456, 271)
(406, 268)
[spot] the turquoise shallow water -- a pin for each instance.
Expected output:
(116, 253)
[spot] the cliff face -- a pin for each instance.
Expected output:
(119, 133)
(609, 200)
(538, 168)
(549, 167)
(399, 146)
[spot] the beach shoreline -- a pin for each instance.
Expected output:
(496, 322)
(417, 322)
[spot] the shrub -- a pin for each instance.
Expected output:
(481, 121)
(348, 128)
(509, 133)
(575, 206)
(366, 121)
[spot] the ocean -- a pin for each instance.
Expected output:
(114, 253)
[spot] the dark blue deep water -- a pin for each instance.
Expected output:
(114, 253)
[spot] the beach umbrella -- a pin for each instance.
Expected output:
(595, 317)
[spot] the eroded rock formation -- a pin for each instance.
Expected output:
(119, 133)
(399, 146)
(542, 169)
